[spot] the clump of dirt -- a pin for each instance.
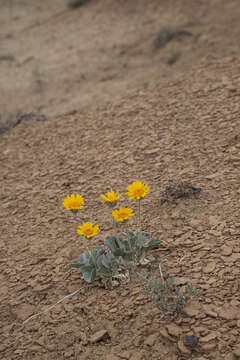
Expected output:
(174, 192)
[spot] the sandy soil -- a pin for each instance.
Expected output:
(182, 127)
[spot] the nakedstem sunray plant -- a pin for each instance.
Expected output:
(103, 263)
(120, 252)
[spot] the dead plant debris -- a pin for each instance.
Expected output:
(174, 192)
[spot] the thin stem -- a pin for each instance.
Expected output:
(116, 234)
(87, 248)
(139, 221)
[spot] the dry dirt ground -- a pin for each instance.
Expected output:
(184, 126)
(57, 60)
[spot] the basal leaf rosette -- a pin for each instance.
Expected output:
(88, 230)
(73, 202)
(111, 197)
(137, 190)
(122, 214)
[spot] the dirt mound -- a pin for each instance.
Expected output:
(183, 131)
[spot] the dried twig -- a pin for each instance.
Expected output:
(51, 307)
(160, 269)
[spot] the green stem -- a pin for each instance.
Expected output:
(91, 256)
(116, 234)
(87, 248)
(139, 221)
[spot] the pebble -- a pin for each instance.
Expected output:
(191, 341)
(236, 351)
(192, 309)
(208, 309)
(226, 250)
(183, 348)
(210, 267)
(151, 339)
(174, 330)
(98, 336)
(208, 346)
(209, 337)
(229, 312)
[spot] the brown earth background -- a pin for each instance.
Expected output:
(105, 94)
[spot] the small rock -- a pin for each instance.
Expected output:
(191, 341)
(229, 356)
(208, 309)
(214, 220)
(208, 347)
(151, 339)
(38, 288)
(236, 351)
(200, 330)
(226, 250)
(174, 330)
(183, 348)
(229, 312)
(125, 355)
(209, 268)
(24, 311)
(111, 357)
(180, 281)
(98, 336)
(3, 347)
(51, 347)
(192, 309)
(165, 334)
(209, 337)
(136, 356)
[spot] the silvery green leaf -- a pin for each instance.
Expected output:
(84, 258)
(111, 243)
(89, 276)
(153, 243)
(75, 264)
(98, 251)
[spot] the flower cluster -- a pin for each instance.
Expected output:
(100, 262)
(137, 190)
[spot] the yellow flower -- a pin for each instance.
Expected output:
(111, 196)
(137, 190)
(73, 202)
(88, 230)
(122, 214)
